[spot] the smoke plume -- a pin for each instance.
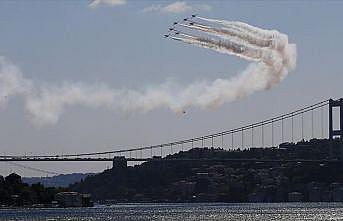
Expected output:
(271, 54)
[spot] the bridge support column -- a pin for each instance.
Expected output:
(336, 133)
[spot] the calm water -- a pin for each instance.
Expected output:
(181, 212)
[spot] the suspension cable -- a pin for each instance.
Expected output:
(201, 138)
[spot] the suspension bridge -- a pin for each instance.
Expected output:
(321, 120)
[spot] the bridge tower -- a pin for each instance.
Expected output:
(334, 133)
(338, 132)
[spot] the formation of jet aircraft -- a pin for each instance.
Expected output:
(172, 31)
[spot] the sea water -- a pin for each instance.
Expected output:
(182, 212)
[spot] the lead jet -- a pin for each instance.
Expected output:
(176, 32)
(193, 16)
(195, 23)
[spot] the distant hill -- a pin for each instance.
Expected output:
(62, 180)
(225, 181)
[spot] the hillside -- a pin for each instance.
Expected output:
(62, 180)
(204, 181)
(13, 192)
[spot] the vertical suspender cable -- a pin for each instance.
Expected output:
(222, 136)
(272, 133)
(282, 135)
(232, 140)
(302, 126)
(242, 138)
(252, 135)
(262, 130)
(312, 125)
(322, 120)
(292, 118)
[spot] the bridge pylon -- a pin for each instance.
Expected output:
(334, 132)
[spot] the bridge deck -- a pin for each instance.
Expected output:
(168, 159)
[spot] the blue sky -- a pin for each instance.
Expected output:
(122, 45)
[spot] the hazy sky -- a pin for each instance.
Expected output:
(120, 43)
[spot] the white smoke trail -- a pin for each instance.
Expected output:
(225, 47)
(12, 82)
(275, 54)
(255, 32)
(228, 33)
(50, 101)
(267, 34)
(46, 102)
